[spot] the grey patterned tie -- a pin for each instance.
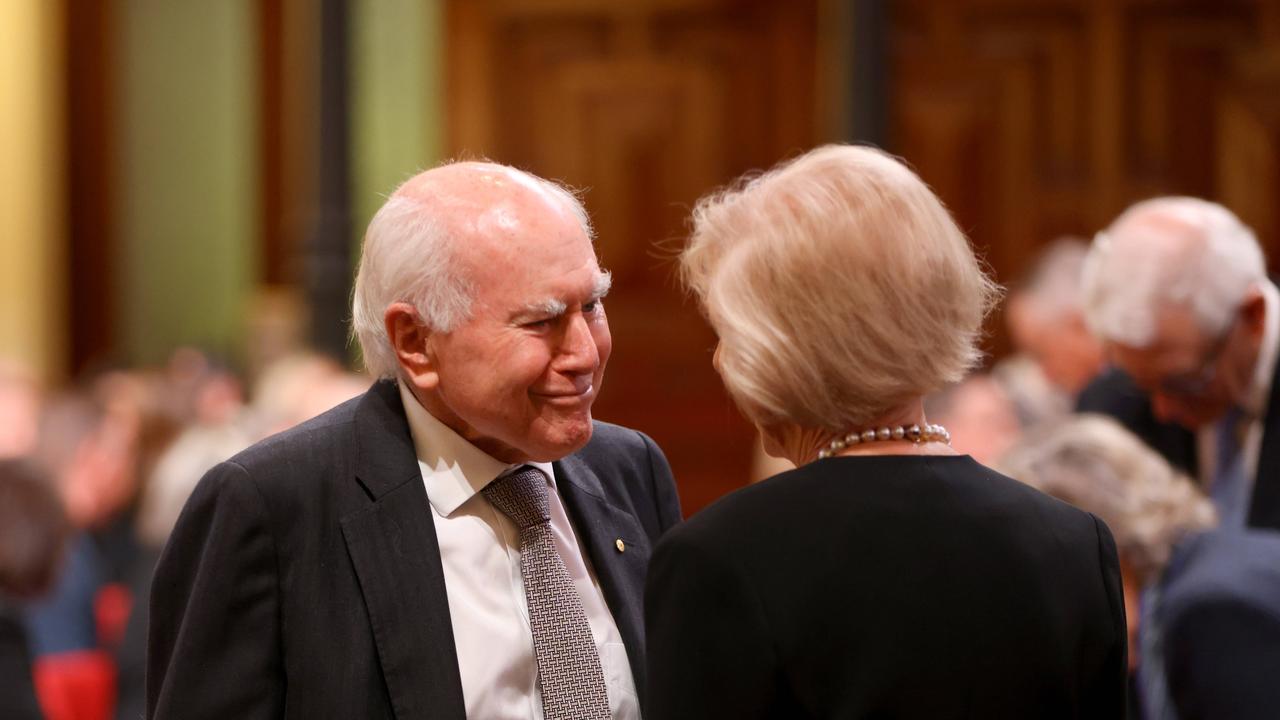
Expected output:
(568, 664)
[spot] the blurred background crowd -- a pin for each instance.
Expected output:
(92, 479)
(184, 185)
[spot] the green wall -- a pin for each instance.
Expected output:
(187, 219)
(186, 127)
(397, 121)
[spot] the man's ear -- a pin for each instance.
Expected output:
(411, 340)
(1253, 312)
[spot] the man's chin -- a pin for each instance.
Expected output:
(563, 441)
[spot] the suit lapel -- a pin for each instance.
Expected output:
(393, 547)
(600, 525)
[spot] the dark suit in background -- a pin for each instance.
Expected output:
(304, 577)
(887, 586)
(17, 692)
(1218, 612)
(1114, 394)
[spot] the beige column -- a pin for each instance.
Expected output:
(32, 244)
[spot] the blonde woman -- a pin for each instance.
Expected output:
(1205, 638)
(887, 576)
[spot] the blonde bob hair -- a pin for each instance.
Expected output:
(1094, 463)
(839, 286)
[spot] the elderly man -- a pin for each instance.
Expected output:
(462, 540)
(1177, 289)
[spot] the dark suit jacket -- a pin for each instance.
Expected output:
(1219, 613)
(304, 579)
(886, 587)
(17, 691)
(1113, 393)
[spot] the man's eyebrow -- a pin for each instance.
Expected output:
(604, 281)
(552, 308)
(544, 308)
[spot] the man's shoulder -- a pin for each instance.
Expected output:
(625, 467)
(1221, 595)
(1227, 569)
(302, 445)
(612, 443)
(299, 474)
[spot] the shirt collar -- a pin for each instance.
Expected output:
(453, 469)
(1255, 402)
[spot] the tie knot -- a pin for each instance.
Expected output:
(521, 496)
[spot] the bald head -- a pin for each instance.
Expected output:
(423, 245)
(1169, 252)
(485, 199)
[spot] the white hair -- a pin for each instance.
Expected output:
(1094, 463)
(1053, 285)
(1167, 251)
(409, 255)
(840, 288)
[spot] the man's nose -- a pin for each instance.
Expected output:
(578, 351)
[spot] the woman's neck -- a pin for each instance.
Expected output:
(802, 445)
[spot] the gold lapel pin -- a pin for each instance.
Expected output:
(622, 547)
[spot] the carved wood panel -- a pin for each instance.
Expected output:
(1037, 118)
(647, 105)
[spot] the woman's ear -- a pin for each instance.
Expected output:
(410, 340)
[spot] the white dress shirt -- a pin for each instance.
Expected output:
(1255, 401)
(480, 552)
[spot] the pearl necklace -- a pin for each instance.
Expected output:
(915, 433)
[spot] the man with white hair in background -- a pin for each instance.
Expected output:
(1177, 289)
(461, 541)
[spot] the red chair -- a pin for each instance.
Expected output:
(77, 685)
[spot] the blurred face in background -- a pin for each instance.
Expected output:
(1192, 376)
(90, 444)
(981, 418)
(96, 477)
(1060, 343)
(19, 415)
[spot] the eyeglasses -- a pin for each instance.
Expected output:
(1193, 383)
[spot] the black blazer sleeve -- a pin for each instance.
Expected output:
(728, 671)
(1106, 695)
(1221, 657)
(214, 638)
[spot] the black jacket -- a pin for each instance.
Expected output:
(304, 578)
(1218, 611)
(1114, 394)
(17, 691)
(887, 587)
